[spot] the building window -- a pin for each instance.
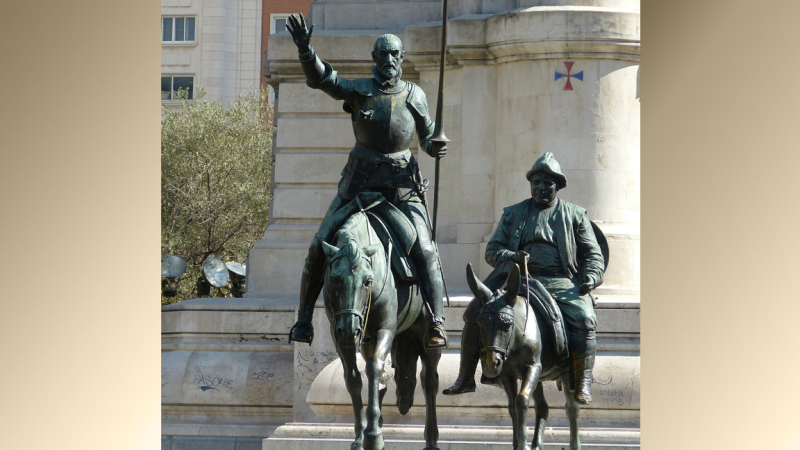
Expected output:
(277, 22)
(177, 29)
(170, 85)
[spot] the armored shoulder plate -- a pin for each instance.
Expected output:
(416, 100)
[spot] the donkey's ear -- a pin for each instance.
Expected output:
(329, 249)
(371, 250)
(512, 285)
(479, 290)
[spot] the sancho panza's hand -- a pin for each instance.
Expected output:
(300, 33)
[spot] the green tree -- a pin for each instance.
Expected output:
(215, 174)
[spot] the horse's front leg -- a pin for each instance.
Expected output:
(521, 401)
(373, 439)
(352, 379)
(430, 387)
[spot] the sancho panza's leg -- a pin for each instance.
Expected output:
(426, 258)
(313, 276)
(581, 322)
(470, 351)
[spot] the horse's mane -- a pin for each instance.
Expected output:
(347, 242)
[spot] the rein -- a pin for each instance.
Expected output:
(364, 315)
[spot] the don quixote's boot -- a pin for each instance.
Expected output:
(310, 287)
(432, 287)
(470, 355)
(582, 364)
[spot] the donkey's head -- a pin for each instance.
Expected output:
(349, 283)
(496, 320)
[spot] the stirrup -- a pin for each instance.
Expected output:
(310, 332)
(443, 336)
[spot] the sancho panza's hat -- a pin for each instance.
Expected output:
(548, 164)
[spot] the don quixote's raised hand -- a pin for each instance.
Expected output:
(301, 34)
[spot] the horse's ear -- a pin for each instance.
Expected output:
(512, 285)
(371, 250)
(329, 249)
(479, 290)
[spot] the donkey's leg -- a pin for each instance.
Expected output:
(573, 409)
(352, 379)
(510, 386)
(542, 410)
(430, 387)
(373, 439)
(521, 402)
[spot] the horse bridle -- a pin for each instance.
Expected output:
(364, 315)
(502, 351)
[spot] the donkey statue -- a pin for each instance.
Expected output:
(514, 349)
(369, 309)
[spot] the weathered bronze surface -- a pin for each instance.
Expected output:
(385, 112)
(378, 313)
(564, 256)
(367, 308)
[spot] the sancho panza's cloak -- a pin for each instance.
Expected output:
(577, 246)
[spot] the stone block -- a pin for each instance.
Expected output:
(309, 167)
(202, 443)
(268, 379)
(299, 98)
(302, 203)
(317, 132)
(616, 387)
(276, 269)
(391, 15)
(454, 261)
(216, 378)
(473, 233)
(351, 16)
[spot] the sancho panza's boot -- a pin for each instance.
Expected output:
(470, 355)
(432, 287)
(310, 287)
(583, 356)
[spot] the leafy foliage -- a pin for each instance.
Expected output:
(215, 174)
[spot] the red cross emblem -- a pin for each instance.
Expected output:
(578, 75)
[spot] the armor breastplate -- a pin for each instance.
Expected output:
(384, 123)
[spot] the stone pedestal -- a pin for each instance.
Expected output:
(226, 372)
(323, 414)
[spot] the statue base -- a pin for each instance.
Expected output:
(313, 436)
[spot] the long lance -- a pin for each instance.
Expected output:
(438, 136)
(438, 132)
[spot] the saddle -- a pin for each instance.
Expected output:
(542, 302)
(389, 223)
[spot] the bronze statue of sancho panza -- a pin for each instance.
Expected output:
(385, 112)
(559, 244)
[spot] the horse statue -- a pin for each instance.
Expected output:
(515, 348)
(371, 309)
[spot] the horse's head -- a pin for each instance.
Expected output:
(496, 320)
(349, 283)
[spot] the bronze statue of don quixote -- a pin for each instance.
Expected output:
(376, 262)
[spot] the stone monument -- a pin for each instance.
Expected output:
(523, 78)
